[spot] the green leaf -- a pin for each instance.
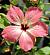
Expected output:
(28, 3)
(14, 2)
(44, 20)
(3, 21)
(41, 1)
(5, 6)
(17, 47)
(39, 53)
(46, 50)
(47, 9)
(43, 51)
(41, 4)
(47, 6)
(2, 26)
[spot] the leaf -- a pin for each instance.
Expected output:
(2, 26)
(14, 2)
(5, 6)
(3, 21)
(44, 20)
(41, 4)
(28, 3)
(47, 9)
(47, 6)
(43, 51)
(39, 53)
(46, 50)
(49, 30)
(17, 47)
